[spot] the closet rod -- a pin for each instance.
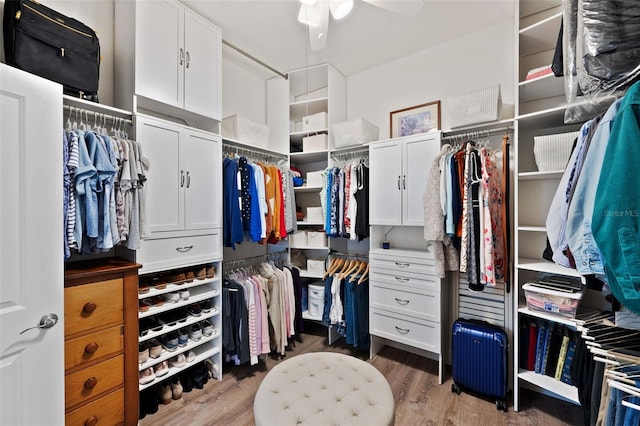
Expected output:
(228, 145)
(478, 133)
(254, 259)
(253, 58)
(97, 115)
(350, 151)
(354, 255)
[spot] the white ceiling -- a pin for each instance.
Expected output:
(367, 37)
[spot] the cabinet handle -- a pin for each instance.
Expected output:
(404, 181)
(188, 59)
(402, 264)
(402, 301)
(181, 56)
(402, 279)
(181, 178)
(91, 347)
(184, 249)
(91, 421)
(402, 330)
(89, 307)
(398, 181)
(188, 179)
(90, 383)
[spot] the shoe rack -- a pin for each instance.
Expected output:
(178, 301)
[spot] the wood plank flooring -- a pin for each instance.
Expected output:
(413, 379)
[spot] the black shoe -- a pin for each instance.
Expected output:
(187, 382)
(200, 376)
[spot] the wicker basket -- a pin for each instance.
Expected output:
(553, 151)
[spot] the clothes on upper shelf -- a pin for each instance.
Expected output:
(258, 202)
(593, 223)
(104, 200)
(345, 200)
(259, 312)
(463, 210)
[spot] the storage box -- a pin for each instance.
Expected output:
(314, 143)
(315, 294)
(552, 301)
(315, 267)
(314, 178)
(298, 239)
(314, 122)
(314, 214)
(246, 131)
(354, 132)
(478, 106)
(552, 152)
(316, 239)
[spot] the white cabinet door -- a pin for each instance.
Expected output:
(385, 193)
(203, 164)
(159, 53)
(417, 161)
(166, 177)
(202, 44)
(31, 266)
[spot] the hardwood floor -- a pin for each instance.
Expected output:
(413, 379)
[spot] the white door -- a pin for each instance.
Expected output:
(31, 255)
(202, 43)
(203, 164)
(385, 193)
(418, 158)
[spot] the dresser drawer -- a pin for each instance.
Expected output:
(423, 304)
(167, 253)
(417, 333)
(91, 381)
(108, 410)
(93, 305)
(416, 281)
(93, 346)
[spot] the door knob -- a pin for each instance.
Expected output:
(47, 321)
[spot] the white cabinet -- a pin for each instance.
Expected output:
(169, 54)
(183, 193)
(399, 170)
(406, 302)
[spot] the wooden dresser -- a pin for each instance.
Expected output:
(101, 339)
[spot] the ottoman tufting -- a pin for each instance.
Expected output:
(324, 389)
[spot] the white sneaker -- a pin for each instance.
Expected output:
(161, 368)
(191, 356)
(146, 376)
(178, 361)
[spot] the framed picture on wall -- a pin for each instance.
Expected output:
(415, 120)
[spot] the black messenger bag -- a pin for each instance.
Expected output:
(44, 42)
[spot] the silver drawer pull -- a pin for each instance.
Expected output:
(402, 301)
(402, 330)
(402, 264)
(402, 279)
(184, 249)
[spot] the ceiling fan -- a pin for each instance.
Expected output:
(315, 14)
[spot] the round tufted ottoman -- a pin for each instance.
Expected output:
(324, 389)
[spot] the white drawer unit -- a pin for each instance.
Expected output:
(167, 253)
(406, 303)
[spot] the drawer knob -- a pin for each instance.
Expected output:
(402, 264)
(402, 301)
(91, 348)
(402, 279)
(90, 383)
(89, 307)
(402, 330)
(91, 421)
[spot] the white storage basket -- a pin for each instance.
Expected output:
(314, 143)
(246, 131)
(314, 122)
(298, 238)
(354, 132)
(553, 151)
(478, 106)
(315, 297)
(316, 239)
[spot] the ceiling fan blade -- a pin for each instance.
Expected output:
(318, 35)
(403, 7)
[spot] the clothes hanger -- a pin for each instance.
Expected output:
(335, 264)
(362, 266)
(364, 275)
(629, 404)
(355, 265)
(68, 127)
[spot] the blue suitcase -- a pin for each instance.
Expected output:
(480, 353)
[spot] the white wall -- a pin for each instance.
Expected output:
(243, 93)
(471, 62)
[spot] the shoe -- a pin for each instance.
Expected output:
(195, 332)
(191, 356)
(172, 297)
(161, 368)
(207, 328)
(168, 318)
(176, 388)
(155, 348)
(201, 273)
(143, 353)
(177, 278)
(189, 276)
(211, 272)
(164, 392)
(194, 309)
(170, 341)
(182, 315)
(183, 337)
(159, 284)
(184, 294)
(178, 361)
(146, 376)
(143, 288)
(148, 403)
(200, 376)
(212, 367)
(186, 380)
(207, 306)
(149, 324)
(144, 305)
